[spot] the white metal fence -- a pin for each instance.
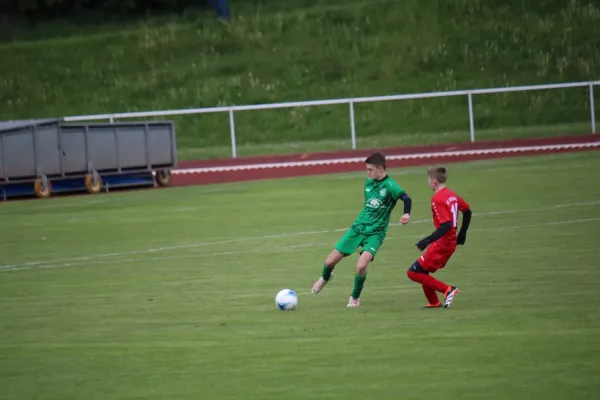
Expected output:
(350, 101)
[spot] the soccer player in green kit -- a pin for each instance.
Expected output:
(370, 227)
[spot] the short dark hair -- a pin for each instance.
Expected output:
(377, 159)
(437, 173)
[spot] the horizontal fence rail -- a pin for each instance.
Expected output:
(351, 102)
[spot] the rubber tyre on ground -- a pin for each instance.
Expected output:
(92, 187)
(163, 177)
(39, 190)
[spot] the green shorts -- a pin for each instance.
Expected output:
(352, 240)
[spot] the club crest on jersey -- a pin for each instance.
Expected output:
(374, 203)
(383, 192)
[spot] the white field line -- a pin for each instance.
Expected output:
(553, 223)
(33, 264)
(389, 157)
(289, 248)
(175, 257)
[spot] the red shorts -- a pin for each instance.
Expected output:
(435, 257)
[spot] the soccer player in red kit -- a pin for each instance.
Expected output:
(441, 244)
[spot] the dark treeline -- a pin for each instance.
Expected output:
(50, 9)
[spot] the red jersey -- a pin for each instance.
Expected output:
(445, 205)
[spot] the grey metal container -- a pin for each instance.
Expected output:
(46, 149)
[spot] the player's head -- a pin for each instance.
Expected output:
(376, 166)
(436, 177)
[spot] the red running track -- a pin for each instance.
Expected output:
(285, 166)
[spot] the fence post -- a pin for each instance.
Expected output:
(352, 127)
(111, 120)
(471, 121)
(232, 130)
(592, 111)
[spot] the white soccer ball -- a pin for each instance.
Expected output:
(286, 300)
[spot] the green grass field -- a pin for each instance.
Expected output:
(274, 51)
(170, 293)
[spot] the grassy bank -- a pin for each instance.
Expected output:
(320, 50)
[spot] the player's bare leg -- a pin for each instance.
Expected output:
(360, 277)
(334, 257)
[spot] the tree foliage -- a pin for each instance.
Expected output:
(51, 8)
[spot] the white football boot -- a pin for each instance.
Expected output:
(353, 302)
(450, 296)
(320, 284)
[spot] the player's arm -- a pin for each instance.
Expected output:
(464, 207)
(445, 226)
(402, 195)
(407, 203)
(436, 235)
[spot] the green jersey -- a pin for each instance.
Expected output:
(380, 199)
